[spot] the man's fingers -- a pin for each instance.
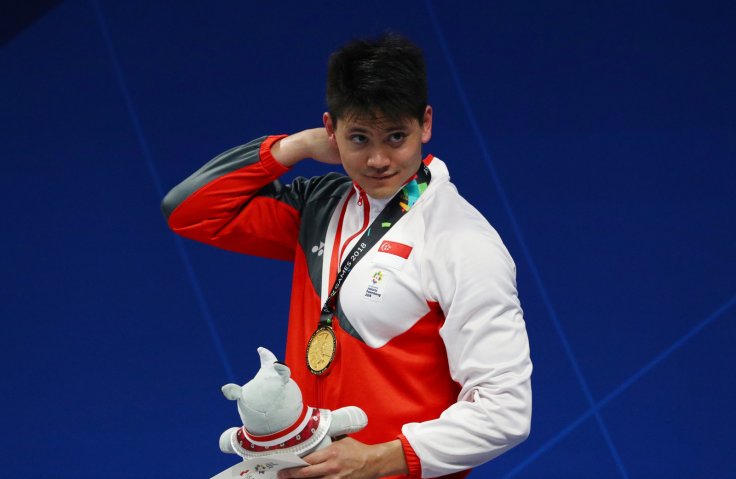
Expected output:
(320, 456)
(318, 470)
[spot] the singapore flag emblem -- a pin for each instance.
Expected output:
(395, 248)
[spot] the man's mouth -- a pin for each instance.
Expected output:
(381, 177)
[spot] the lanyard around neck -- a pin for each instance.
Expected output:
(393, 212)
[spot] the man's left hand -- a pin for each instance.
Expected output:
(350, 458)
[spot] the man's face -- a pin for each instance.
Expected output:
(380, 155)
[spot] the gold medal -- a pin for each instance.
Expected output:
(321, 350)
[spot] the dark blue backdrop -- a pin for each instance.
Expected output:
(598, 138)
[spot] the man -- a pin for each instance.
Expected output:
(403, 298)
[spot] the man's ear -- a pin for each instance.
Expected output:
(329, 126)
(427, 125)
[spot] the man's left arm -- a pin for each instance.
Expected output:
(474, 280)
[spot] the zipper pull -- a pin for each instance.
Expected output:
(360, 199)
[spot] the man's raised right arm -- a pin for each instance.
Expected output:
(235, 201)
(312, 143)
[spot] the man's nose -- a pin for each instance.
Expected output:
(378, 159)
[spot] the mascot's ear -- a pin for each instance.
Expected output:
(283, 371)
(267, 357)
(231, 391)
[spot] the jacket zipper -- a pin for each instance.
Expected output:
(362, 201)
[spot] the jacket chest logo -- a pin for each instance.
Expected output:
(374, 291)
(319, 249)
(398, 249)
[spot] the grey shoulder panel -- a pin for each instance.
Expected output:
(224, 163)
(316, 214)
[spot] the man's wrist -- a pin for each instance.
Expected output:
(291, 150)
(389, 457)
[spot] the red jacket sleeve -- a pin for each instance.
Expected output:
(235, 202)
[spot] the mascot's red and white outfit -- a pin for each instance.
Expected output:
(276, 421)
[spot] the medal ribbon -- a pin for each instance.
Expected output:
(393, 212)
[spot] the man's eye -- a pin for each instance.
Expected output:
(360, 139)
(397, 137)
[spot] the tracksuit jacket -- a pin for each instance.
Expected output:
(431, 342)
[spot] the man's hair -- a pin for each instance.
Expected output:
(385, 77)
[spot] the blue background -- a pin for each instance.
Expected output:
(598, 138)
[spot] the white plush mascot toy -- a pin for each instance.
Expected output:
(275, 420)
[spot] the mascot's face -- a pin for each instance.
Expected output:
(271, 401)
